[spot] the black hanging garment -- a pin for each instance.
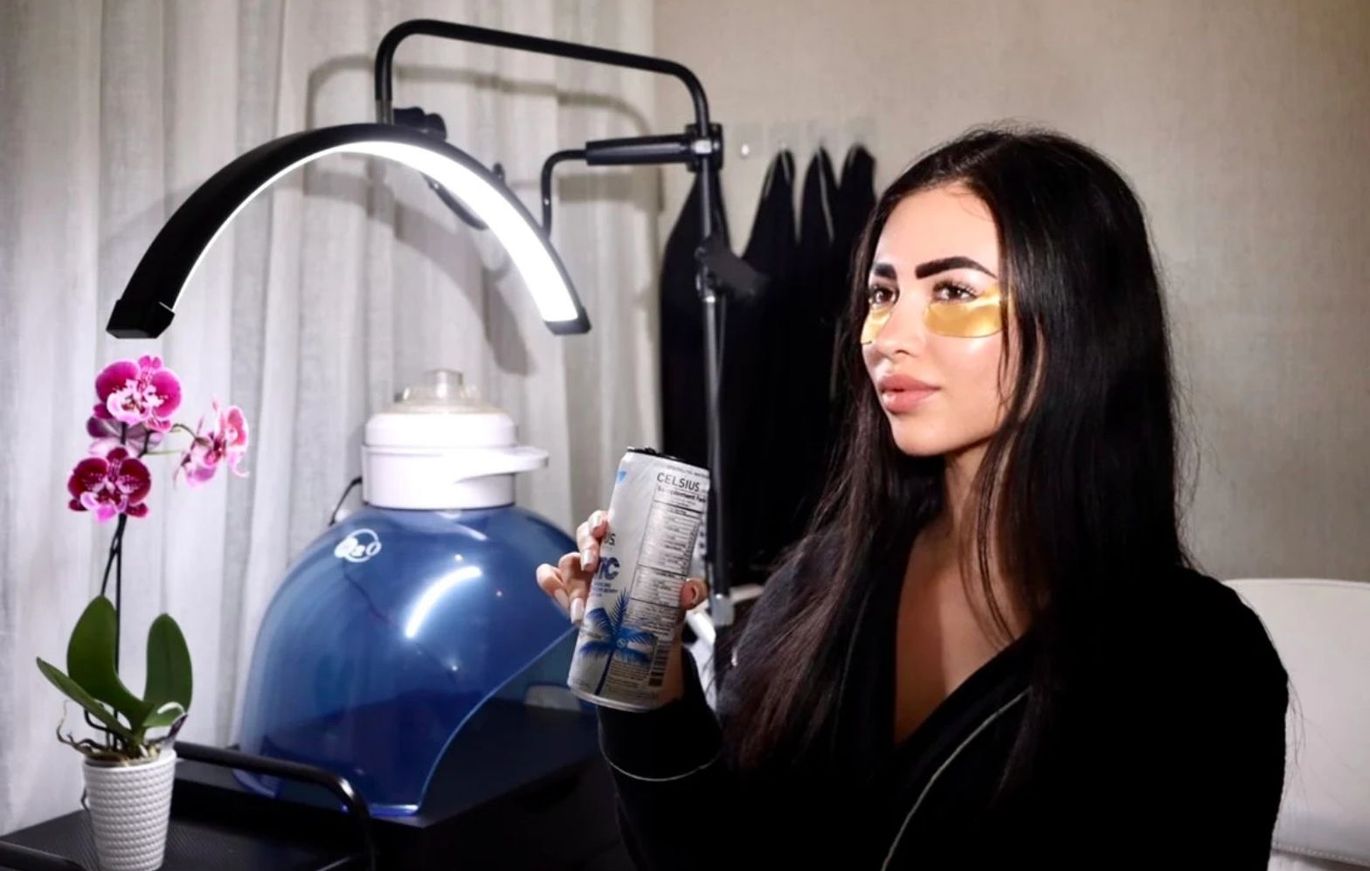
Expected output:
(684, 432)
(855, 202)
(807, 358)
(755, 361)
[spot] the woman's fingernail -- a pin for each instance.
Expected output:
(585, 559)
(563, 600)
(577, 610)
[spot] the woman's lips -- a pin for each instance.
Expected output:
(899, 401)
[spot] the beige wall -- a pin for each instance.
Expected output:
(1245, 128)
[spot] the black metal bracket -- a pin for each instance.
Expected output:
(632, 151)
(432, 124)
(548, 166)
(729, 271)
(687, 148)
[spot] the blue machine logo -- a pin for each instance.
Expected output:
(358, 547)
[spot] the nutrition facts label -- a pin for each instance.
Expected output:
(672, 523)
(672, 527)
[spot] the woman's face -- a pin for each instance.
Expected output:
(939, 244)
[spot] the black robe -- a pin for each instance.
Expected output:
(1170, 754)
(803, 358)
(755, 363)
(855, 202)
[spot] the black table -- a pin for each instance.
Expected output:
(520, 788)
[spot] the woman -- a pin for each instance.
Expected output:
(990, 648)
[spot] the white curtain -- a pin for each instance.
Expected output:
(324, 298)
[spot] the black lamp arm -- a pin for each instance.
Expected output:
(385, 58)
(548, 166)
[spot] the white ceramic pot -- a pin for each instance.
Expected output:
(130, 806)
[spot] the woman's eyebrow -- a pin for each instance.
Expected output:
(884, 269)
(932, 267)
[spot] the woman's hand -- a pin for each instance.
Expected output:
(568, 582)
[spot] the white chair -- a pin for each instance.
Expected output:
(1321, 629)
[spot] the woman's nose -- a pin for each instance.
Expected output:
(904, 331)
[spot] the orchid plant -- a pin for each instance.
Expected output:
(132, 420)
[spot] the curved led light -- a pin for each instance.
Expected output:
(149, 301)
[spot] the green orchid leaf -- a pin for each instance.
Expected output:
(90, 661)
(74, 691)
(168, 665)
(166, 715)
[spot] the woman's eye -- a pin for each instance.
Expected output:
(952, 291)
(879, 297)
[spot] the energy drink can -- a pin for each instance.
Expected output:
(632, 614)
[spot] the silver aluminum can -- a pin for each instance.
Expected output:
(632, 615)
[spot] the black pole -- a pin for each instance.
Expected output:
(715, 303)
(712, 298)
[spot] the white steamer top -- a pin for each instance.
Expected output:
(440, 446)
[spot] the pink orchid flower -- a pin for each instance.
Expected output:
(227, 445)
(141, 392)
(111, 485)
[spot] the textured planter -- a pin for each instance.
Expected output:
(130, 806)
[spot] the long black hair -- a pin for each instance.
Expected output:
(1080, 482)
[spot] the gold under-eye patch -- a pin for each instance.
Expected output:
(876, 319)
(960, 319)
(966, 319)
